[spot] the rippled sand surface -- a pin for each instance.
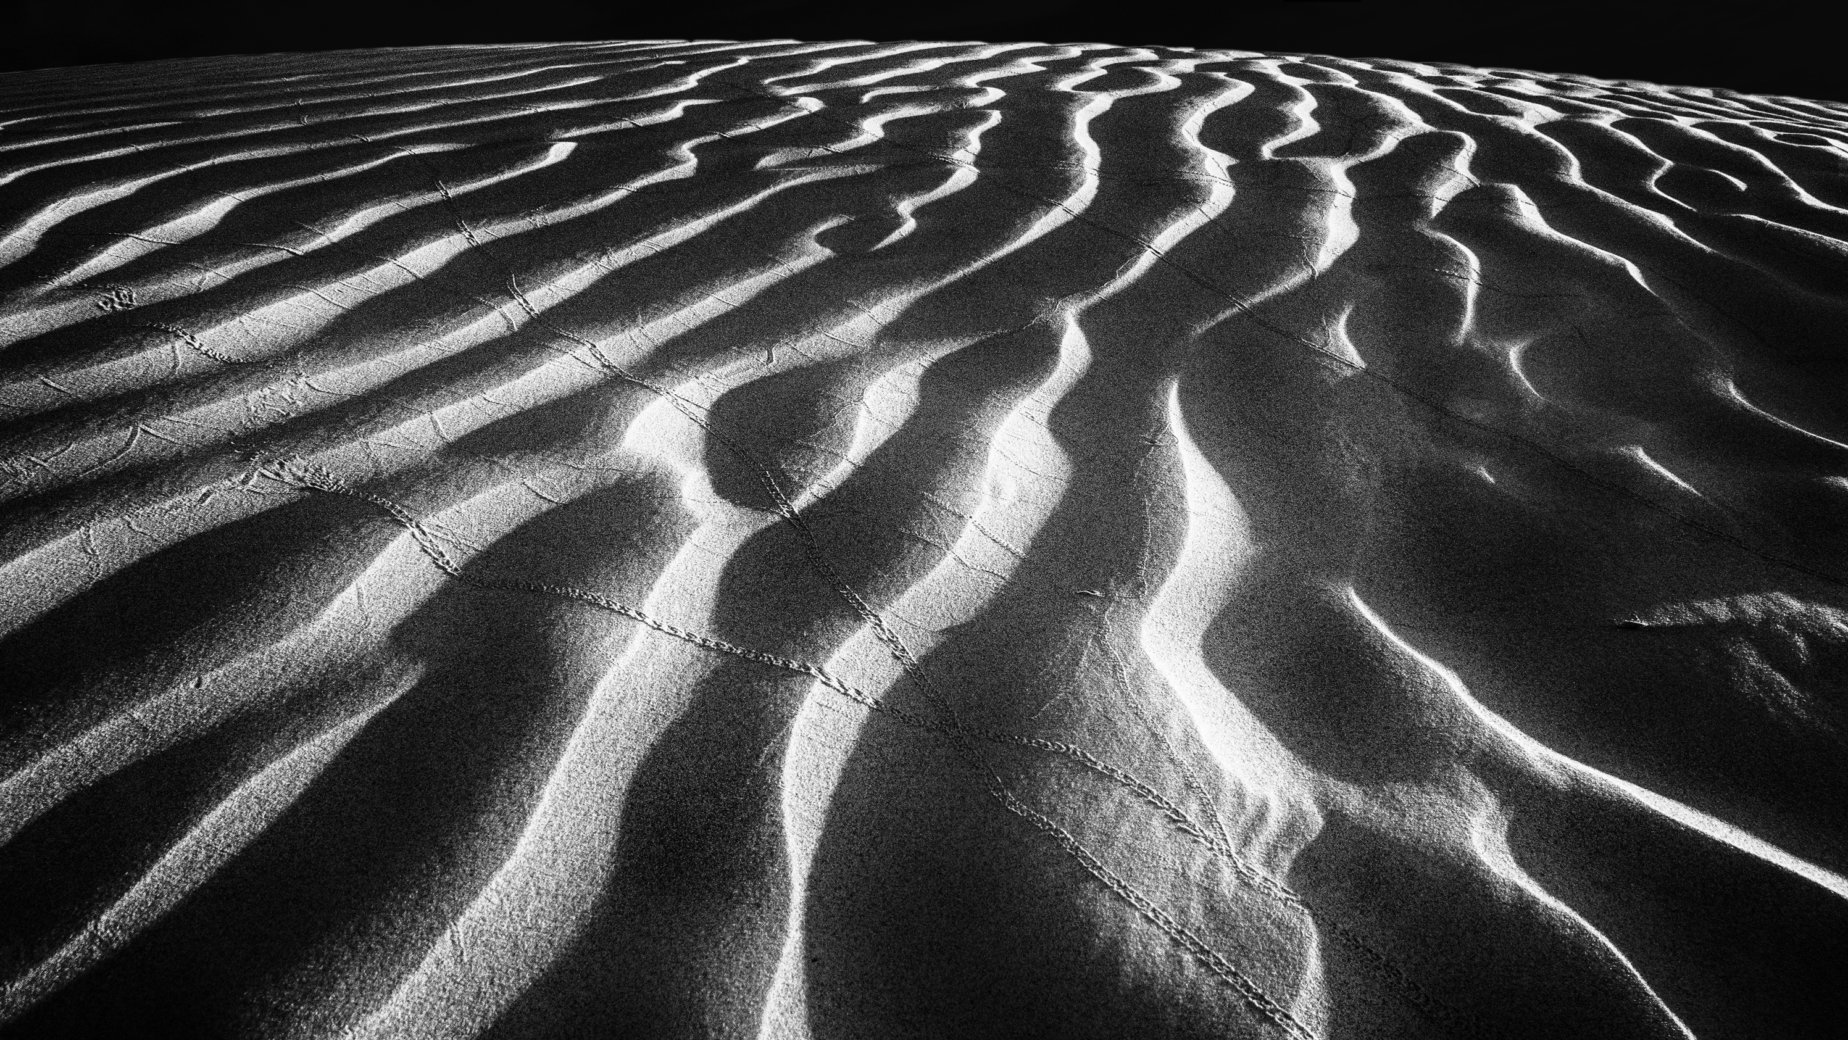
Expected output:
(834, 541)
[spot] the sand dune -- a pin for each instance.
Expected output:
(825, 541)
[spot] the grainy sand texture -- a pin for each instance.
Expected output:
(835, 541)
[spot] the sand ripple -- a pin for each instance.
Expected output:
(846, 540)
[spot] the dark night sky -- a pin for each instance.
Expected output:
(1766, 47)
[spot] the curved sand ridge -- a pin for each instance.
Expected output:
(848, 540)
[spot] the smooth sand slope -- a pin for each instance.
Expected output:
(836, 541)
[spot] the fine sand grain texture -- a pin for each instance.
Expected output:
(836, 541)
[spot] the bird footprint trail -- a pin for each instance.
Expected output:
(815, 541)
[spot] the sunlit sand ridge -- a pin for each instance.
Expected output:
(826, 541)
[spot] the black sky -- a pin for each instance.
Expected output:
(1764, 47)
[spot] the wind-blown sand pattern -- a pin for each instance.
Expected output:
(918, 540)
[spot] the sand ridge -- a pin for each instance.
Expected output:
(797, 540)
